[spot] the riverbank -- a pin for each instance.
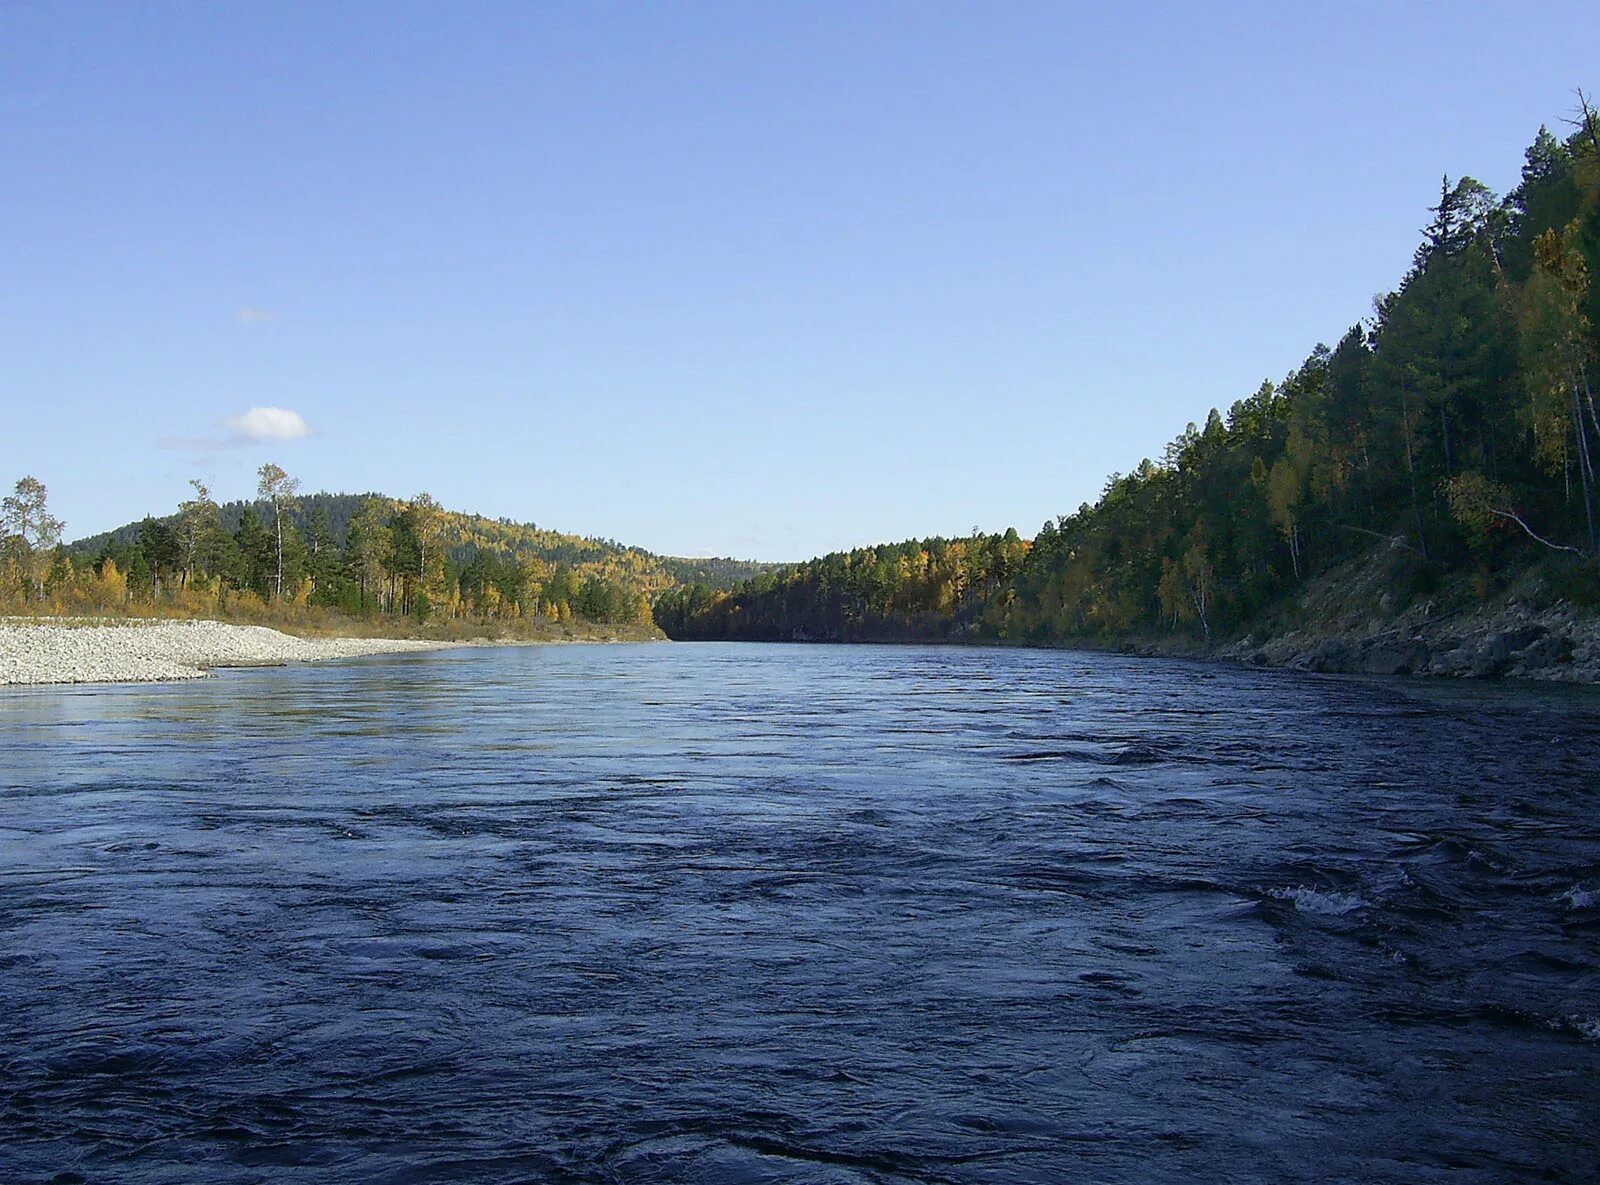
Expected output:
(1352, 621)
(1516, 641)
(148, 651)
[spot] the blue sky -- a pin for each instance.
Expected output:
(752, 279)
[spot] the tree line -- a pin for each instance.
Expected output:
(1453, 434)
(923, 588)
(408, 559)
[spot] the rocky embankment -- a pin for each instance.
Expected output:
(153, 651)
(1556, 645)
(1347, 623)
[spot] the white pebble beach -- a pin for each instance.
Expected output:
(137, 651)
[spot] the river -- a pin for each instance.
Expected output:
(742, 913)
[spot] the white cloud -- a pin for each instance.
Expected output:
(250, 315)
(269, 423)
(258, 425)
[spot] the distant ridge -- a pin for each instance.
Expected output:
(467, 535)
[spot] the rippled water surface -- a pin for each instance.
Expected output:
(747, 913)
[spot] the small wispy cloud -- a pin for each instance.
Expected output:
(251, 315)
(259, 425)
(269, 423)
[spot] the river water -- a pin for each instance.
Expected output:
(721, 913)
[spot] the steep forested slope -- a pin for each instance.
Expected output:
(1455, 428)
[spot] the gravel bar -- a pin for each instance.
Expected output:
(155, 651)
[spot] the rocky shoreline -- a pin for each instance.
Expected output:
(142, 651)
(1354, 620)
(1556, 644)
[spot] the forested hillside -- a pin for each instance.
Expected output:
(1455, 429)
(364, 555)
(465, 534)
(926, 588)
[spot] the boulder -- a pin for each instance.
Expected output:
(1551, 650)
(1487, 661)
(1520, 639)
(1394, 658)
(1329, 656)
(1456, 664)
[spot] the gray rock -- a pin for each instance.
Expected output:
(1395, 658)
(1552, 650)
(1486, 663)
(1520, 639)
(1329, 656)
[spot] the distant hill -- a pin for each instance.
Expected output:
(469, 534)
(340, 508)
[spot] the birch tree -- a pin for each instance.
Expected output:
(30, 530)
(278, 490)
(198, 522)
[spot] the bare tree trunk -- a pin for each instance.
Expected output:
(277, 515)
(1513, 516)
(1366, 481)
(1392, 540)
(1588, 398)
(1199, 588)
(1590, 121)
(1411, 471)
(1585, 467)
